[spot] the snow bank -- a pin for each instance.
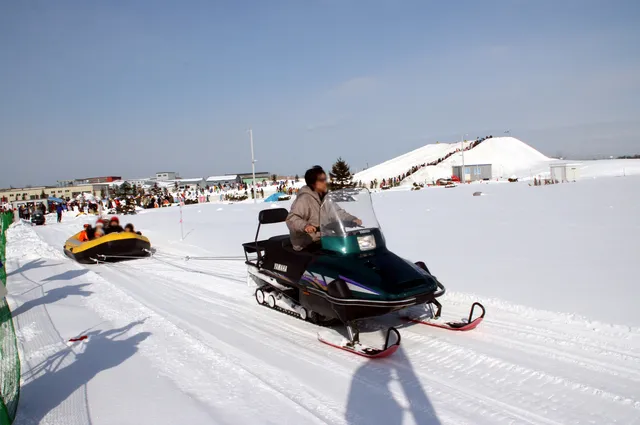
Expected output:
(609, 168)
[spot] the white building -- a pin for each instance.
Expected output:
(188, 184)
(564, 172)
(166, 175)
(223, 180)
(143, 182)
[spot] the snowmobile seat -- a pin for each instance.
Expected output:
(279, 256)
(273, 216)
(269, 216)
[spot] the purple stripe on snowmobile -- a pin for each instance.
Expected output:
(314, 280)
(353, 282)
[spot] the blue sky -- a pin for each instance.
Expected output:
(131, 87)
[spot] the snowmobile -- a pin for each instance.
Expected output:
(37, 218)
(348, 276)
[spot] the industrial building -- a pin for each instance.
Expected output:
(166, 175)
(223, 180)
(248, 177)
(562, 172)
(473, 172)
(96, 180)
(33, 194)
(189, 184)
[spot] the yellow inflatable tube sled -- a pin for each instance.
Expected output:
(109, 248)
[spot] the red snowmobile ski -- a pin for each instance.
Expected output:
(436, 321)
(363, 350)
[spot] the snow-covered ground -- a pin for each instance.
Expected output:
(177, 341)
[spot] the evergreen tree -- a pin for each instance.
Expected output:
(125, 189)
(274, 178)
(297, 178)
(340, 174)
(156, 190)
(43, 195)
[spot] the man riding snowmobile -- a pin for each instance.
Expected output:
(303, 220)
(335, 266)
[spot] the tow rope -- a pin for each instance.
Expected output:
(177, 257)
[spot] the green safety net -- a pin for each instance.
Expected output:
(9, 358)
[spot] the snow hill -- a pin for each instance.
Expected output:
(507, 155)
(402, 163)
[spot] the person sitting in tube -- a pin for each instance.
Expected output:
(129, 229)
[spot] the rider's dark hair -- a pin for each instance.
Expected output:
(312, 174)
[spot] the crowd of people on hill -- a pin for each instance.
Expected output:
(395, 181)
(103, 228)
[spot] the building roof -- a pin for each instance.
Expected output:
(222, 178)
(99, 177)
(251, 174)
(194, 180)
(564, 164)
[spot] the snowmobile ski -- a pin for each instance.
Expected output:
(356, 347)
(435, 320)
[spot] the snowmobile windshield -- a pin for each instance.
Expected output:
(348, 223)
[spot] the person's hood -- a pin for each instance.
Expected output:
(306, 190)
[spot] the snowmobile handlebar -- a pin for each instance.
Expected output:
(441, 290)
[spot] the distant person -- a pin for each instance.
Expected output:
(59, 212)
(130, 229)
(84, 235)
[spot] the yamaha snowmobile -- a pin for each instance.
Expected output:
(348, 276)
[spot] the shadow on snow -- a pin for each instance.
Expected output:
(385, 392)
(53, 295)
(48, 385)
(33, 264)
(68, 275)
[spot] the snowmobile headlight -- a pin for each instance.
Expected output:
(367, 243)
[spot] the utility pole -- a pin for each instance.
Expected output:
(253, 167)
(462, 173)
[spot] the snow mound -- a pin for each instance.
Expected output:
(402, 163)
(511, 154)
(508, 156)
